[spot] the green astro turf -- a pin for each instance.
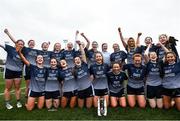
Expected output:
(82, 114)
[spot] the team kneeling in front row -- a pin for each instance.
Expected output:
(84, 83)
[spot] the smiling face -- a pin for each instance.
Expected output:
(53, 63)
(20, 43)
(57, 47)
(31, 43)
(70, 46)
(148, 40)
(94, 45)
(77, 61)
(116, 47)
(131, 42)
(104, 47)
(116, 68)
(163, 38)
(137, 59)
(153, 56)
(45, 46)
(63, 63)
(39, 59)
(170, 58)
(99, 58)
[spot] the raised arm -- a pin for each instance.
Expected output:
(9, 35)
(2, 46)
(146, 57)
(121, 37)
(82, 52)
(138, 39)
(87, 40)
(163, 47)
(76, 38)
(25, 61)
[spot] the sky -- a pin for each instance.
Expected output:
(58, 20)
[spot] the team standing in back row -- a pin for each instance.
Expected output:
(65, 77)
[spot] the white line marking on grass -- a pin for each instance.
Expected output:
(11, 91)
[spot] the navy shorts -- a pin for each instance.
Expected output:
(9, 74)
(154, 92)
(171, 92)
(118, 94)
(52, 94)
(70, 94)
(83, 94)
(36, 94)
(100, 92)
(135, 91)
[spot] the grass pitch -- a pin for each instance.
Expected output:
(82, 114)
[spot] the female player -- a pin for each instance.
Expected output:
(135, 86)
(130, 46)
(30, 55)
(52, 86)
(57, 52)
(45, 53)
(98, 72)
(13, 74)
(37, 82)
(154, 79)
(148, 41)
(91, 53)
(85, 47)
(69, 54)
(171, 85)
(116, 80)
(82, 76)
(69, 85)
(169, 43)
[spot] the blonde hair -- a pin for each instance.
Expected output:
(128, 48)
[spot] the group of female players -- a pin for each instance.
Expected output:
(65, 77)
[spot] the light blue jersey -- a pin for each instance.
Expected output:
(100, 75)
(136, 75)
(38, 78)
(69, 82)
(171, 78)
(13, 60)
(82, 76)
(153, 74)
(52, 81)
(30, 54)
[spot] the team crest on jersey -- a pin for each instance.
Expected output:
(99, 68)
(66, 71)
(116, 77)
(40, 71)
(138, 71)
(154, 65)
